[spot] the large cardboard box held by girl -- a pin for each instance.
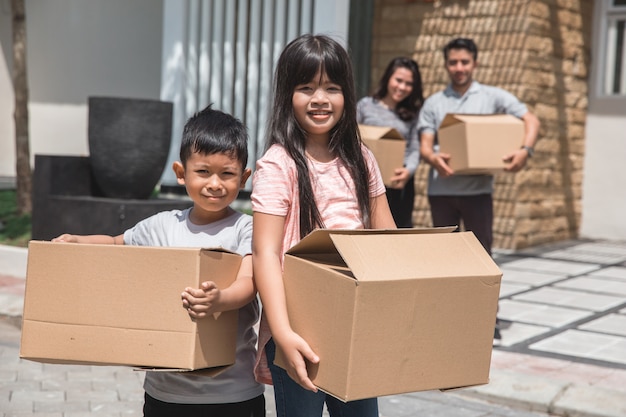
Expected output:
(121, 305)
(391, 312)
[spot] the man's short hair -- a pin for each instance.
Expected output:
(461, 43)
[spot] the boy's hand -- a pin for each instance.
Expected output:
(200, 302)
(66, 237)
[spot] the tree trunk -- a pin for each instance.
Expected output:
(20, 88)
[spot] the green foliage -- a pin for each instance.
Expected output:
(14, 229)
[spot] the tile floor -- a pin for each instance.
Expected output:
(565, 303)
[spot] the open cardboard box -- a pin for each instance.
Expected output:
(393, 311)
(478, 142)
(387, 145)
(121, 305)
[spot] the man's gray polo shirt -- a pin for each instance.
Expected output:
(479, 99)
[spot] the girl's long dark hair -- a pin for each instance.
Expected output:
(408, 108)
(298, 64)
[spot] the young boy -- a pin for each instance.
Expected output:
(212, 167)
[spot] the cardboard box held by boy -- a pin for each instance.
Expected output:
(121, 305)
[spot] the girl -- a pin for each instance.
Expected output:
(396, 103)
(315, 173)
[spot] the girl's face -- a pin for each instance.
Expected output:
(318, 106)
(400, 84)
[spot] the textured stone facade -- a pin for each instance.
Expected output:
(539, 51)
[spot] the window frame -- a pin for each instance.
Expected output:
(613, 17)
(599, 101)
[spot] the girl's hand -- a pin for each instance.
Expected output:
(296, 350)
(200, 302)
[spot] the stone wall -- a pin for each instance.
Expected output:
(539, 51)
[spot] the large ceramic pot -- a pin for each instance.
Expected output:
(129, 142)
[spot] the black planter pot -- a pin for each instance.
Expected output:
(129, 142)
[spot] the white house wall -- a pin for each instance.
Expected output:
(604, 195)
(77, 49)
(604, 198)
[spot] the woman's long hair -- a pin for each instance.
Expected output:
(408, 108)
(298, 64)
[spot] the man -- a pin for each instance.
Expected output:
(467, 198)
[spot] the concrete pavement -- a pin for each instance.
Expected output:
(563, 347)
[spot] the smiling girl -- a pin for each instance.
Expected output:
(315, 173)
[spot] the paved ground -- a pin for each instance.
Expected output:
(563, 348)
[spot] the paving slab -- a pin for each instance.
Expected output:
(590, 402)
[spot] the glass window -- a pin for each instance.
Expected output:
(615, 60)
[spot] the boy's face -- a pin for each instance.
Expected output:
(460, 66)
(213, 182)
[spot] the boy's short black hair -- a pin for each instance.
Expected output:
(213, 131)
(461, 43)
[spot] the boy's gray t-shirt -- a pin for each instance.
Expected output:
(234, 233)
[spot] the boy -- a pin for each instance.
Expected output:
(212, 167)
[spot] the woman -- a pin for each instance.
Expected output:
(396, 103)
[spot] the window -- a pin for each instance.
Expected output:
(615, 60)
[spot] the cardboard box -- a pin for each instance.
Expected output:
(387, 145)
(478, 142)
(391, 312)
(121, 305)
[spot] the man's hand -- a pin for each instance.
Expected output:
(515, 161)
(439, 161)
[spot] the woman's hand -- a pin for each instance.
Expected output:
(400, 178)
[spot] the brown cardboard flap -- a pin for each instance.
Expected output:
(320, 242)
(399, 261)
(379, 132)
(210, 372)
(454, 118)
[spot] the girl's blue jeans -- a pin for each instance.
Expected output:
(294, 401)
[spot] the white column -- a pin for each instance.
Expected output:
(173, 74)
